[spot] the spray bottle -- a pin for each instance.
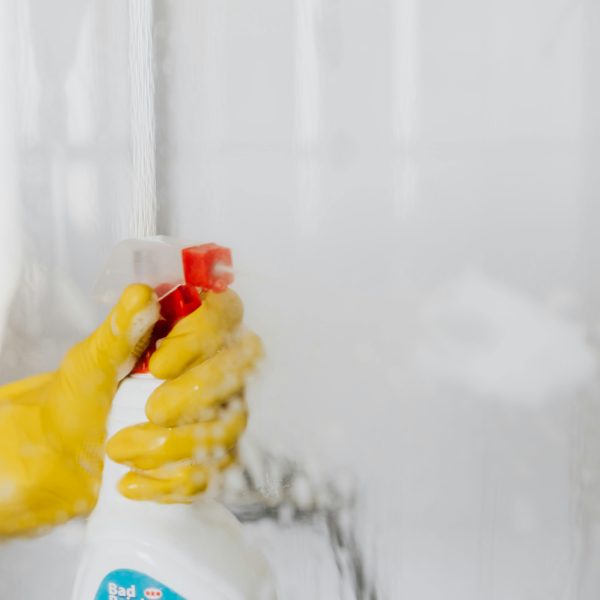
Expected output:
(145, 550)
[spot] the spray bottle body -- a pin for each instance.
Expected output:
(146, 550)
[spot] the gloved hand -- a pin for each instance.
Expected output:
(198, 414)
(53, 426)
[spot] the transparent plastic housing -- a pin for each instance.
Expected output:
(154, 261)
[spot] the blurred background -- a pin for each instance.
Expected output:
(411, 191)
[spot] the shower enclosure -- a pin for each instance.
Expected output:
(410, 189)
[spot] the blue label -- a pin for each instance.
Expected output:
(131, 585)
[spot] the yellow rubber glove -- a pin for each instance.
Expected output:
(53, 426)
(198, 414)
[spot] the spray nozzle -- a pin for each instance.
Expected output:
(174, 306)
(208, 266)
(177, 271)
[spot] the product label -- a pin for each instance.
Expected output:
(131, 585)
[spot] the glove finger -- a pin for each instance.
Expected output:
(177, 482)
(191, 397)
(198, 336)
(165, 485)
(114, 347)
(79, 396)
(149, 446)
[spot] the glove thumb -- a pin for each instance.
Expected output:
(80, 395)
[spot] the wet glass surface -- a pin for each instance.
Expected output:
(410, 190)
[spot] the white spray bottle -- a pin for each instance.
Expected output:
(150, 551)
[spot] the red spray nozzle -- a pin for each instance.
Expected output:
(176, 304)
(207, 267)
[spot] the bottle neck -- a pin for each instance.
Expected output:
(129, 406)
(129, 403)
